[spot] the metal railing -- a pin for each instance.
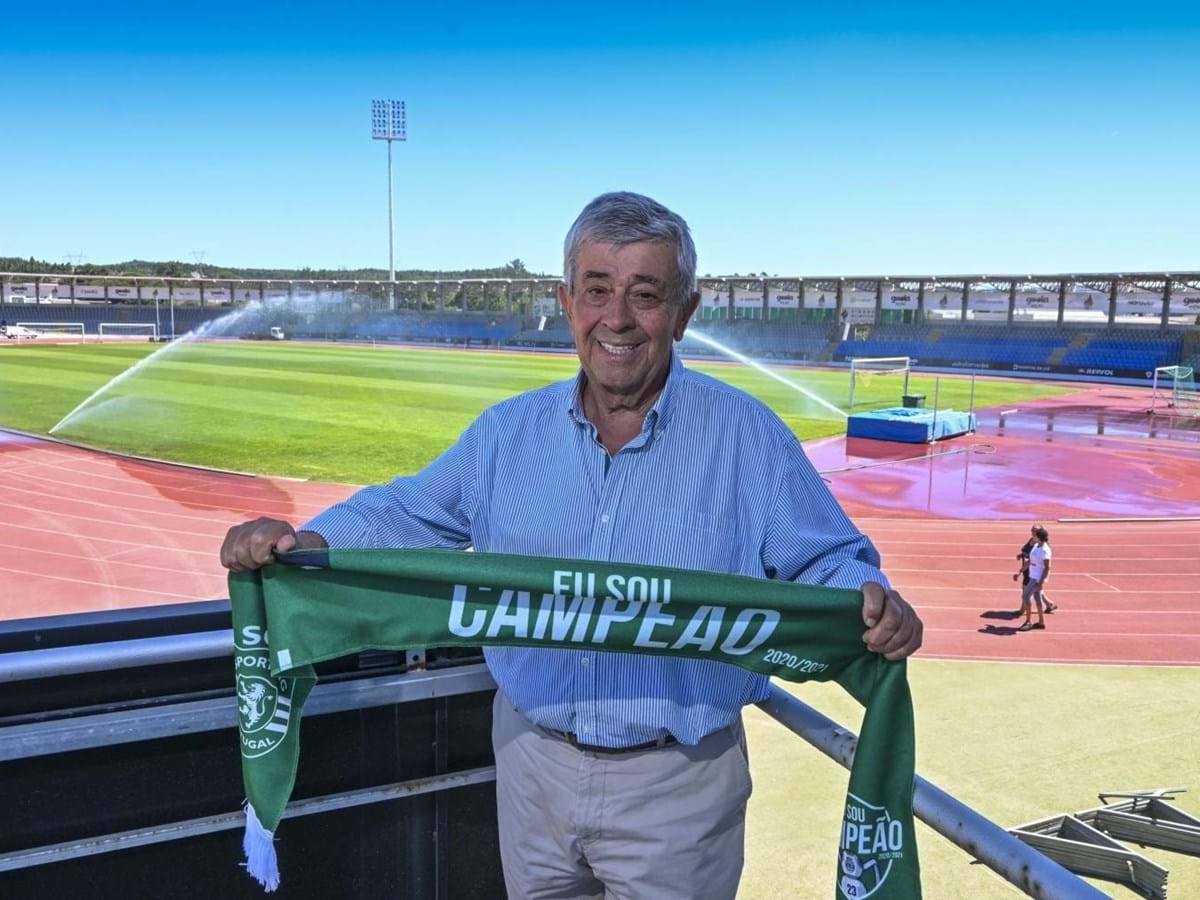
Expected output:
(1014, 861)
(1018, 864)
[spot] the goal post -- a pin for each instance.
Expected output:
(148, 330)
(882, 379)
(56, 329)
(1173, 391)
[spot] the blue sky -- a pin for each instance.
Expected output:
(857, 138)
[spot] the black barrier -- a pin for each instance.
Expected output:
(87, 756)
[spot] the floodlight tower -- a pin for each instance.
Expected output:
(388, 123)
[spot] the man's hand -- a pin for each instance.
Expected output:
(893, 627)
(253, 545)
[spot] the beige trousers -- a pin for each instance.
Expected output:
(656, 824)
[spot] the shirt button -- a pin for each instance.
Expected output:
(604, 518)
(585, 662)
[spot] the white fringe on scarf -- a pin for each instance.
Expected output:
(259, 847)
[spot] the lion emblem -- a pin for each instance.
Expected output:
(253, 697)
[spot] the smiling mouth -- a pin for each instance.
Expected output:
(618, 349)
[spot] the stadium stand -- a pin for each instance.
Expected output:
(453, 328)
(768, 340)
(556, 332)
(1129, 351)
(329, 323)
(771, 340)
(448, 327)
(1003, 345)
(91, 315)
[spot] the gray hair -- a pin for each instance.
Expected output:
(622, 218)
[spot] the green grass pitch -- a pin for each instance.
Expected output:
(1015, 742)
(351, 413)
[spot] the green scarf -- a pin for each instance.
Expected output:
(328, 604)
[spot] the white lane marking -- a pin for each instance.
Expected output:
(153, 498)
(1058, 571)
(1060, 661)
(107, 561)
(104, 584)
(131, 546)
(77, 501)
(126, 524)
(1052, 591)
(1090, 611)
(1090, 635)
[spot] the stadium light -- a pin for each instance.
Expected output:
(389, 123)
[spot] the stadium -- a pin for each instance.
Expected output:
(143, 416)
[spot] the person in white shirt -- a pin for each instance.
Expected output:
(1039, 571)
(1023, 572)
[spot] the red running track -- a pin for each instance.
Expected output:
(949, 519)
(82, 530)
(1126, 592)
(85, 530)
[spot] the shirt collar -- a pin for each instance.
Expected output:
(658, 416)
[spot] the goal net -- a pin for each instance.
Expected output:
(146, 330)
(1174, 391)
(55, 329)
(879, 380)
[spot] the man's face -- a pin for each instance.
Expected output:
(623, 316)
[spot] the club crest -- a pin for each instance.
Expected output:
(264, 712)
(872, 839)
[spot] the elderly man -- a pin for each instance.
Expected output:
(621, 775)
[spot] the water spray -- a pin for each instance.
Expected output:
(730, 352)
(212, 328)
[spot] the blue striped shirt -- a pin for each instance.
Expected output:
(714, 481)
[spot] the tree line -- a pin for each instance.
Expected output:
(140, 268)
